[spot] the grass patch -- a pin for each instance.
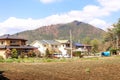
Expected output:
(42, 60)
(93, 58)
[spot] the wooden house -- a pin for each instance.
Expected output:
(13, 42)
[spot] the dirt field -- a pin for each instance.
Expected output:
(102, 69)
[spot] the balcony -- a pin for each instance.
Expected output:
(14, 44)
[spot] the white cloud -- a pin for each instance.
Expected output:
(110, 5)
(48, 1)
(99, 23)
(90, 14)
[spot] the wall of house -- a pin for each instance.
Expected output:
(8, 42)
(2, 53)
(62, 49)
(40, 47)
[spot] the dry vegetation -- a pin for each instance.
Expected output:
(88, 69)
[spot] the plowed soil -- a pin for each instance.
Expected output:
(107, 68)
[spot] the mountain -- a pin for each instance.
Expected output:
(80, 30)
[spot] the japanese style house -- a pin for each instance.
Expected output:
(13, 41)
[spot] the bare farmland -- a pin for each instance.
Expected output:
(101, 69)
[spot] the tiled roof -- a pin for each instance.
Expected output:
(63, 41)
(23, 47)
(18, 47)
(78, 44)
(7, 36)
(42, 41)
(51, 42)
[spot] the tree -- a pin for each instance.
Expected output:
(113, 35)
(95, 45)
(86, 40)
(14, 53)
(110, 38)
(116, 30)
(37, 53)
(31, 53)
(47, 53)
(8, 52)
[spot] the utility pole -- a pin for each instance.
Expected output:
(117, 41)
(71, 44)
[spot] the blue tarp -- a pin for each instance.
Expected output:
(78, 44)
(107, 53)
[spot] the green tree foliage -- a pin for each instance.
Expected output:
(14, 53)
(110, 39)
(47, 53)
(78, 54)
(113, 35)
(22, 55)
(116, 28)
(31, 54)
(86, 40)
(95, 45)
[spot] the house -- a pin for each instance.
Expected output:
(57, 46)
(8, 41)
(82, 47)
(64, 44)
(42, 45)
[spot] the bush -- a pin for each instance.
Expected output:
(31, 54)
(113, 51)
(78, 54)
(22, 55)
(47, 53)
(1, 59)
(14, 53)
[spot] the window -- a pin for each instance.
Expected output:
(44, 45)
(13, 41)
(52, 46)
(2, 42)
(56, 46)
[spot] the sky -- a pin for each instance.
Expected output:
(21, 15)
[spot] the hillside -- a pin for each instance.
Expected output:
(80, 30)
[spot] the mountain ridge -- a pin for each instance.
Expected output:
(80, 30)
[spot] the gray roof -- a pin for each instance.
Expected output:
(18, 47)
(2, 46)
(42, 42)
(8, 36)
(52, 42)
(23, 47)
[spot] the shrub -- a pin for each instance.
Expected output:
(78, 54)
(47, 53)
(14, 53)
(22, 55)
(31, 54)
(1, 59)
(113, 51)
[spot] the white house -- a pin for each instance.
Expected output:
(41, 45)
(64, 44)
(60, 45)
